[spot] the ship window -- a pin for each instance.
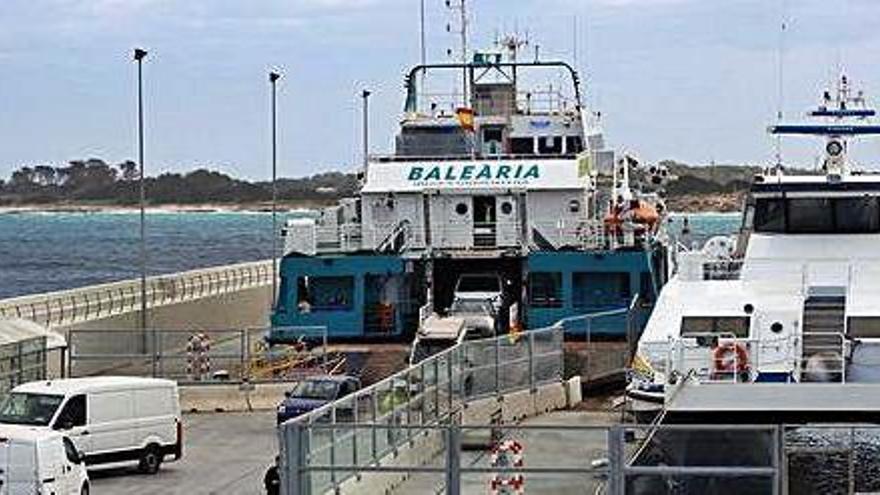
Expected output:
(325, 293)
(550, 145)
(574, 144)
(522, 146)
(857, 215)
(506, 208)
(810, 216)
(865, 327)
(545, 290)
(461, 209)
(600, 289)
(847, 215)
(736, 325)
(770, 215)
(574, 206)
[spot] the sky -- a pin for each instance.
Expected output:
(691, 80)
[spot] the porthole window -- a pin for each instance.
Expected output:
(506, 208)
(461, 209)
(776, 327)
(574, 206)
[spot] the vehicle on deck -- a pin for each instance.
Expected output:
(314, 392)
(480, 287)
(112, 420)
(39, 461)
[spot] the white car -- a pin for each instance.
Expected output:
(112, 420)
(480, 287)
(36, 460)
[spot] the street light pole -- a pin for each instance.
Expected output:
(366, 96)
(273, 79)
(139, 55)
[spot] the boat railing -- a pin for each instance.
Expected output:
(546, 101)
(551, 235)
(724, 357)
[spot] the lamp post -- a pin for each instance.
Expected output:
(365, 94)
(273, 79)
(139, 55)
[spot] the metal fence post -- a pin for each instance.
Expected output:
(616, 461)
(293, 459)
(530, 342)
(497, 366)
(453, 459)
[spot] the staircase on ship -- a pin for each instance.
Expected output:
(823, 336)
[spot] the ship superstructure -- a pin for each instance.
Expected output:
(785, 327)
(507, 174)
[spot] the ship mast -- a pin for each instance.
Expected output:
(460, 6)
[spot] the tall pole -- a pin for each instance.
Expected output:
(423, 47)
(366, 130)
(273, 79)
(139, 55)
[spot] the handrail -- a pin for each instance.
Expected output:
(70, 306)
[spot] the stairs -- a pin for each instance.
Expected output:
(823, 330)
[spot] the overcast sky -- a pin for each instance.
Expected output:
(692, 80)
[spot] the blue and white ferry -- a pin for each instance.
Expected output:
(501, 187)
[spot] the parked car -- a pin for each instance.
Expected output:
(316, 391)
(109, 419)
(36, 460)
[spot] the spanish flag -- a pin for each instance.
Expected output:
(465, 118)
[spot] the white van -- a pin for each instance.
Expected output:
(112, 420)
(36, 460)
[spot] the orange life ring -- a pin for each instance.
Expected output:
(731, 357)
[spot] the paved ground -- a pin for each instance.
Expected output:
(542, 449)
(223, 454)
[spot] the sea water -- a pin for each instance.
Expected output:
(41, 252)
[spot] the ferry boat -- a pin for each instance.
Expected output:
(508, 177)
(781, 325)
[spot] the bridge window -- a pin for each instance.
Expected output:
(736, 325)
(597, 289)
(574, 144)
(522, 146)
(842, 215)
(550, 145)
(545, 290)
(325, 293)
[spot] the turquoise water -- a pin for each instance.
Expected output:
(42, 252)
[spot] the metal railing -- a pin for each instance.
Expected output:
(199, 356)
(560, 234)
(696, 355)
(68, 307)
(365, 428)
(613, 459)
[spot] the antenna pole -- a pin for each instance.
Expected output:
(423, 47)
(464, 51)
(781, 80)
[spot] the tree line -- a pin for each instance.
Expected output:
(94, 180)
